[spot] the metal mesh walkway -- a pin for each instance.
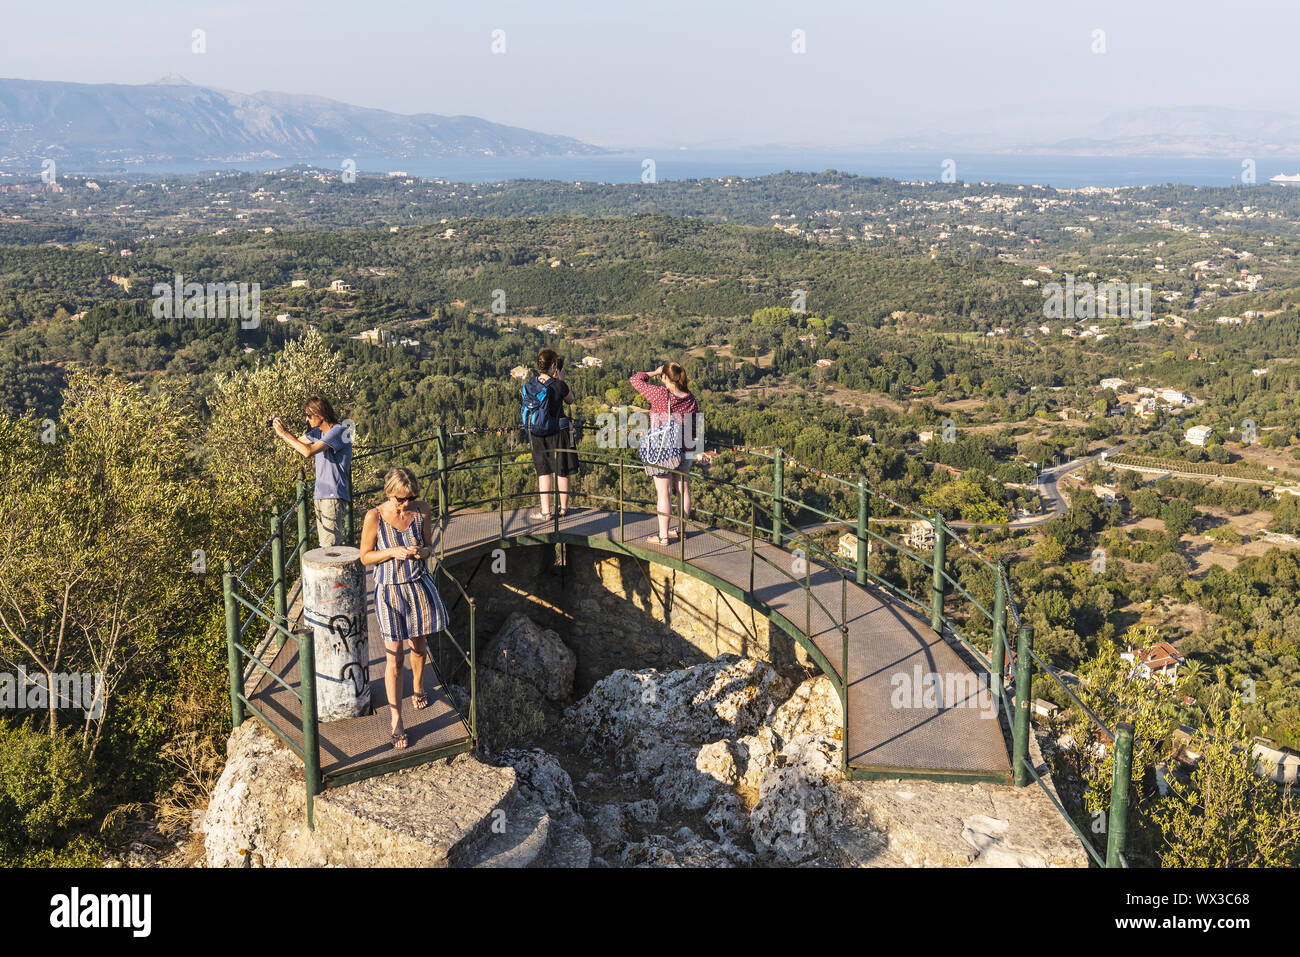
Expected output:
(356, 744)
(888, 645)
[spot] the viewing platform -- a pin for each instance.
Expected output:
(932, 686)
(960, 740)
(355, 747)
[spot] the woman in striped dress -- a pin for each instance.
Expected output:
(396, 539)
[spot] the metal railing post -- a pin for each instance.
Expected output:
(1020, 724)
(277, 577)
(1117, 830)
(621, 536)
(753, 512)
(442, 472)
(681, 514)
(347, 514)
(807, 596)
(303, 524)
(232, 639)
(998, 654)
(862, 532)
(937, 582)
(473, 670)
(501, 491)
(778, 494)
(310, 723)
(844, 691)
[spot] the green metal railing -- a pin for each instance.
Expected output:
(271, 607)
(759, 509)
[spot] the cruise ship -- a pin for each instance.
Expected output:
(1284, 180)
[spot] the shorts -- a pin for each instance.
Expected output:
(553, 453)
(329, 520)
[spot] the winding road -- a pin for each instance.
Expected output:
(1047, 484)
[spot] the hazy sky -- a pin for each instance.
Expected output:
(696, 73)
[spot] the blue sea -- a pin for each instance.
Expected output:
(1060, 171)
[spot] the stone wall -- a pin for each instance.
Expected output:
(615, 611)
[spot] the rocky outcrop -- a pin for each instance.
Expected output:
(799, 802)
(552, 829)
(758, 766)
(525, 677)
(651, 719)
(813, 708)
(721, 764)
(683, 848)
(420, 817)
(524, 650)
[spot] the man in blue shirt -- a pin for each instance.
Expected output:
(330, 444)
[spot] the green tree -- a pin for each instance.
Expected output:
(1228, 815)
(1177, 515)
(46, 792)
(92, 584)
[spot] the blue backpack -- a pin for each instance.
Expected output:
(538, 415)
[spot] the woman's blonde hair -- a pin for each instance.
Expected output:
(401, 482)
(677, 376)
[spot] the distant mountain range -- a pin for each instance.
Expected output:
(1209, 131)
(173, 119)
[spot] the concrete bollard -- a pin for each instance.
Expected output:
(334, 607)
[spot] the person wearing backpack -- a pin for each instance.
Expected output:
(544, 398)
(675, 436)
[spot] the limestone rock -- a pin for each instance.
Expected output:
(928, 824)
(743, 695)
(632, 712)
(813, 708)
(728, 818)
(517, 840)
(694, 781)
(566, 848)
(717, 761)
(523, 649)
(541, 779)
(989, 837)
(684, 848)
(642, 812)
(420, 817)
(258, 804)
(605, 825)
(799, 805)
(682, 784)
(755, 753)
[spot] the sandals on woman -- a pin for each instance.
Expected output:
(420, 700)
(399, 737)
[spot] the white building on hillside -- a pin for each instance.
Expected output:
(1198, 435)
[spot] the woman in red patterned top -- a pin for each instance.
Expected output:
(671, 401)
